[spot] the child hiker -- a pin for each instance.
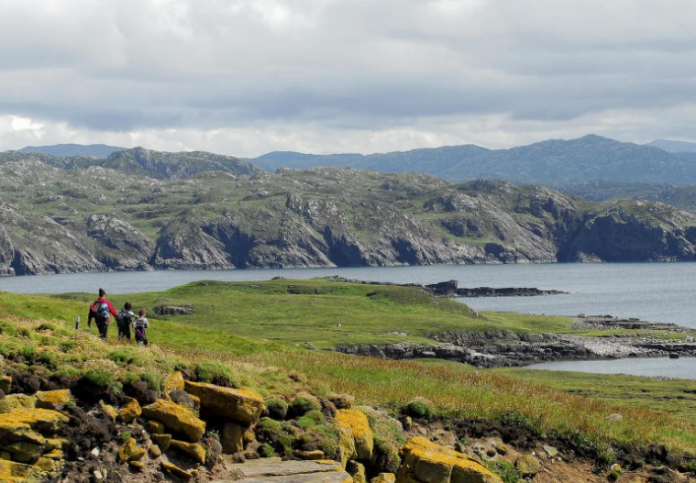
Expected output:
(139, 327)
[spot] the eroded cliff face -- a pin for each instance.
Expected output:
(75, 222)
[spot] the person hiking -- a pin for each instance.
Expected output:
(101, 311)
(139, 327)
(125, 319)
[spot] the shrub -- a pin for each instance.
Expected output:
(505, 470)
(28, 352)
(216, 373)
(266, 450)
(67, 345)
(385, 456)
(153, 380)
(49, 359)
(277, 408)
(126, 356)
(419, 408)
(303, 404)
(99, 377)
(268, 430)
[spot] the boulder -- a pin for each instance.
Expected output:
(384, 478)
(427, 462)
(155, 427)
(316, 454)
(232, 438)
(527, 465)
(162, 440)
(109, 410)
(41, 420)
(176, 418)
(14, 401)
(242, 405)
(130, 451)
(5, 383)
(357, 471)
(357, 422)
(174, 381)
(52, 399)
(174, 470)
(13, 472)
(194, 450)
(129, 411)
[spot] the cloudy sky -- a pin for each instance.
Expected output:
(244, 77)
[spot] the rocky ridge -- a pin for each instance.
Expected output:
(139, 211)
(508, 349)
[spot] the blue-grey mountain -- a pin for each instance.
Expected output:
(554, 162)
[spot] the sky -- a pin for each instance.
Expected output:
(246, 77)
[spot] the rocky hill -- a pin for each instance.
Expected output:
(553, 162)
(140, 210)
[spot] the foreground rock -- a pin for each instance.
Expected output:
(273, 470)
(427, 462)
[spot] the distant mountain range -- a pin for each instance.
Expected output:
(70, 150)
(557, 163)
(554, 162)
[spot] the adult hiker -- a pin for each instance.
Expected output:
(139, 327)
(125, 319)
(101, 311)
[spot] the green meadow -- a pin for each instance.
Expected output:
(257, 334)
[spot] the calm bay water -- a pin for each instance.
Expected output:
(682, 368)
(656, 292)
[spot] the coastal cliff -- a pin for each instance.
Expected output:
(140, 212)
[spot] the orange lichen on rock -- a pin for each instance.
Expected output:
(427, 462)
(356, 421)
(130, 410)
(175, 417)
(174, 381)
(242, 405)
(52, 399)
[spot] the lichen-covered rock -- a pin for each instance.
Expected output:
(242, 405)
(130, 451)
(174, 470)
(316, 454)
(24, 451)
(42, 420)
(5, 383)
(162, 440)
(427, 462)
(342, 401)
(527, 465)
(346, 446)
(13, 472)
(357, 422)
(15, 401)
(154, 427)
(174, 381)
(109, 410)
(384, 478)
(232, 438)
(129, 411)
(194, 450)
(52, 399)
(357, 471)
(176, 418)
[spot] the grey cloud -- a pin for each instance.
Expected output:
(138, 65)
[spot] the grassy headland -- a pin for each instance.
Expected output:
(255, 332)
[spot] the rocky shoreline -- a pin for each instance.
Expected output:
(508, 349)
